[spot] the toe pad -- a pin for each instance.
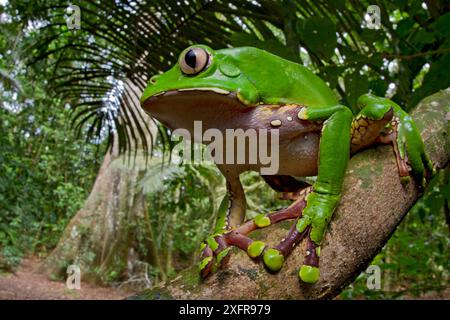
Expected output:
(309, 274)
(273, 259)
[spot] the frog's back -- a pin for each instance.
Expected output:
(279, 80)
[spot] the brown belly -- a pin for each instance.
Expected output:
(296, 157)
(298, 139)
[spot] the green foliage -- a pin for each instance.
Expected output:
(180, 209)
(45, 170)
(45, 174)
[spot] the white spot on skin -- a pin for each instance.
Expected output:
(302, 114)
(275, 123)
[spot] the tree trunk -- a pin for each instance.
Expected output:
(102, 238)
(374, 202)
(111, 233)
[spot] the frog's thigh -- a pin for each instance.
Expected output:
(368, 125)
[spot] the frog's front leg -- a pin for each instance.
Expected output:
(334, 153)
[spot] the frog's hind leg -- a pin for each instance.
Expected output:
(366, 128)
(273, 257)
(377, 124)
(216, 248)
(230, 229)
(399, 130)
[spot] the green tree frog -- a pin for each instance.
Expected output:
(249, 88)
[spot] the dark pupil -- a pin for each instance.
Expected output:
(191, 59)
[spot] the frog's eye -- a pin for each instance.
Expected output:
(194, 61)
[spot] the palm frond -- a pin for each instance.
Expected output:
(121, 44)
(125, 43)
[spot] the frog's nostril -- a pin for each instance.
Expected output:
(154, 79)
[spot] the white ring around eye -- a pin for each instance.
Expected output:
(194, 61)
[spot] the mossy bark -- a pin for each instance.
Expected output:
(374, 202)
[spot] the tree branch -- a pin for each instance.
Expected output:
(416, 55)
(373, 204)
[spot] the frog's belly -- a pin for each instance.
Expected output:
(298, 139)
(297, 156)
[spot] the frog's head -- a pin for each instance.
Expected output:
(204, 83)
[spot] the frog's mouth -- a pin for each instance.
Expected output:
(215, 108)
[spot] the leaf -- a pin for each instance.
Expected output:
(338, 4)
(378, 87)
(331, 74)
(436, 79)
(442, 25)
(404, 27)
(423, 37)
(372, 35)
(272, 45)
(319, 34)
(355, 86)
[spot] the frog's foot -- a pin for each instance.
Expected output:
(274, 257)
(215, 250)
(409, 149)
(309, 272)
(213, 254)
(311, 225)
